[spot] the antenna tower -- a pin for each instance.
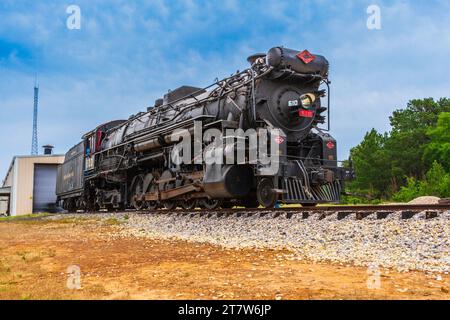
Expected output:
(34, 140)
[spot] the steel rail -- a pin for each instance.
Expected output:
(326, 208)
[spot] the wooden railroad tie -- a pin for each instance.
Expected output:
(383, 214)
(408, 214)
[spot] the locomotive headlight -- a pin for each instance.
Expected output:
(307, 100)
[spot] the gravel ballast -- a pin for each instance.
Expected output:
(412, 244)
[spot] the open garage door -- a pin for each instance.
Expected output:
(44, 188)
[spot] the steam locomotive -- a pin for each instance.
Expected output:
(268, 119)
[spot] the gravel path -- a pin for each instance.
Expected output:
(413, 244)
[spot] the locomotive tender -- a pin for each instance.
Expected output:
(136, 162)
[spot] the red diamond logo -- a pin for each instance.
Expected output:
(279, 139)
(330, 145)
(305, 56)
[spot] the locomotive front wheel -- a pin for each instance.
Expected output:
(265, 194)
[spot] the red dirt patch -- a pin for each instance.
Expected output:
(34, 257)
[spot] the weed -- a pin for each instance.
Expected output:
(4, 268)
(25, 296)
(29, 256)
(22, 255)
(4, 288)
(112, 221)
(50, 252)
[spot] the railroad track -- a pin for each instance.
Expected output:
(359, 212)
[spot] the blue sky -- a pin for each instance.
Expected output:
(128, 53)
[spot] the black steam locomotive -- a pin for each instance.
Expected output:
(251, 139)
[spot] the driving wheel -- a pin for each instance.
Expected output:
(137, 193)
(153, 205)
(166, 185)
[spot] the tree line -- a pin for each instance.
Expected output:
(411, 160)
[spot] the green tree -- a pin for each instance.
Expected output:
(369, 162)
(436, 183)
(419, 113)
(403, 158)
(439, 147)
(409, 138)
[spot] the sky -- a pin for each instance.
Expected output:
(126, 54)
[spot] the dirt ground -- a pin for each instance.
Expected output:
(35, 255)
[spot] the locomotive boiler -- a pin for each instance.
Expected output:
(268, 119)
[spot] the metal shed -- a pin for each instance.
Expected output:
(31, 181)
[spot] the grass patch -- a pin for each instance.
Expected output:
(29, 256)
(25, 217)
(4, 269)
(7, 286)
(71, 220)
(50, 253)
(25, 296)
(4, 288)
(95, 289)
(48, 218)
(112, 221)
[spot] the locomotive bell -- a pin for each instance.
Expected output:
(251, 59)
